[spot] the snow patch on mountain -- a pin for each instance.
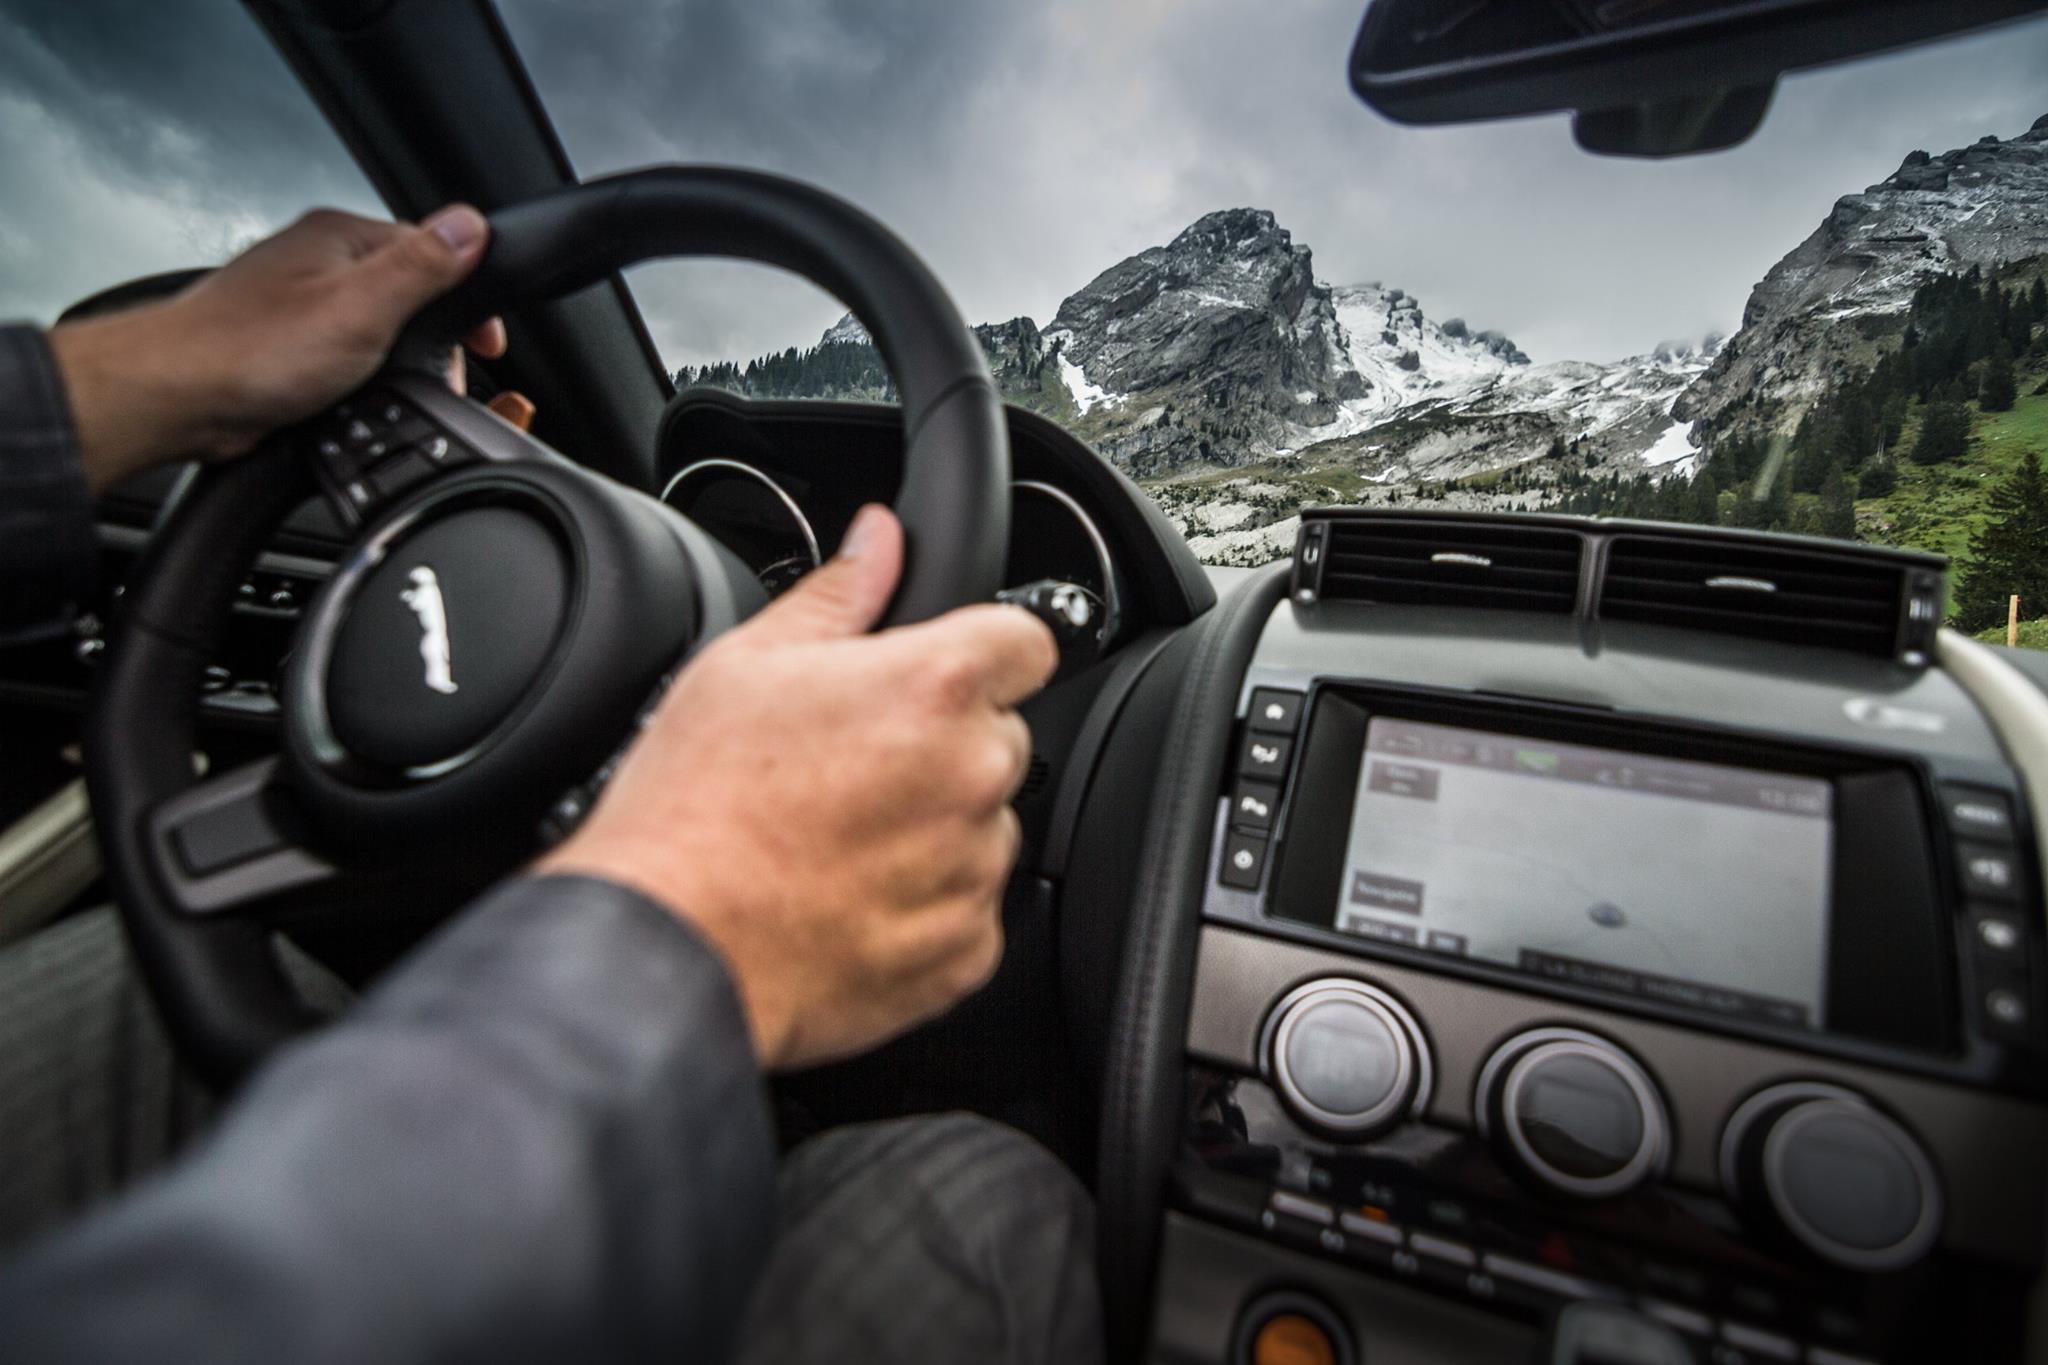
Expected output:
(1404, 357)
(1086, 396)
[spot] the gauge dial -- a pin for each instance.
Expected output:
(751, 515)
(1052, 537)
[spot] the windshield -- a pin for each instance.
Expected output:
(1180, 234)
(1184, 238)
(139, 136)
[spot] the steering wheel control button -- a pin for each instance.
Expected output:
(1347, 1058)
(1974, 813)
(1274, 711)
(444, 638)
(1574, 1113)
(396, 475)
(1264, 757)
(1244, 861)
(1252, 804)
(224, 836)
(1822, 1166)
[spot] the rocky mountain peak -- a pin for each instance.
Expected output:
(846, 332)
(1814, 316)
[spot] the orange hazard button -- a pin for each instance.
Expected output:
(1291, 1339)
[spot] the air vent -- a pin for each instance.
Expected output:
(1770, 592)
(1440, 562)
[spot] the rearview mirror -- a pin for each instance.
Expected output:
(1642, 77)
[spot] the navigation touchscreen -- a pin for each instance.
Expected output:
(1691, 883)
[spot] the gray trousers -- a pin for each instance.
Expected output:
(929, 1239)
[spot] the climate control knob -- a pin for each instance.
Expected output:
(1821, 1164)
(1573, 1112)
(1347, 1058)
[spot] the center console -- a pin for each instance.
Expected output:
(1680, 1000)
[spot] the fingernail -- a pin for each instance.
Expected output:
(460, 226)
(860, 535)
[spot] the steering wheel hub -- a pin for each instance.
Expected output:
(441, 635)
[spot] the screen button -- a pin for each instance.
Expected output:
(1252, 804)
(1989, 871)
(2008, 1009)
(1244, 861)
(1977, 814)
(1274, 711)
(1999, 936)
(1264, 756)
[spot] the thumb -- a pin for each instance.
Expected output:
(416, 265)
(850, 592)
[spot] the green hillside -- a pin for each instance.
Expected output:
(1938, 507)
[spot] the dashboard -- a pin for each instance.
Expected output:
(779, 481)
(1051, 535)
(1572, 983)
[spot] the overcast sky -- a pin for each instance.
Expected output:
(1023, 148)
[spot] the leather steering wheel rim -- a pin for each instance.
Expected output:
(215, 977)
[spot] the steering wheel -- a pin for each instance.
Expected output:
(460, 687)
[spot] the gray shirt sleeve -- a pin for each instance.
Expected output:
(49, 557)
(544, 1137)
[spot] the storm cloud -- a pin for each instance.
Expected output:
(1021, 148)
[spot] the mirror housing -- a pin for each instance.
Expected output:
(1642, 77)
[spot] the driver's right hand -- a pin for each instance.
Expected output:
(830, 808)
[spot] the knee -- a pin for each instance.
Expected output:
(976, 1176)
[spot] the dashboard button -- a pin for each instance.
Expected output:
(1443, 1249)
(1685, 1319)
(1998, 935)
(1252, 804)
(1574, 1112)
(1244, 861)
(1975, 813)
(1991, 872)
(1300, 1206)
(1756, 1341)
(1291, 1339)
(1823, 1166)
(1264, 756)
(2008, 1013)
(1274, 711)
(1370, 1229)
(1540, 1277)
(1346, 1057)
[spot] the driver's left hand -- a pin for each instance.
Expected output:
(278, 333)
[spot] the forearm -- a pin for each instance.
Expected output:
(138, 396)
(49, 556)
(544, 1137)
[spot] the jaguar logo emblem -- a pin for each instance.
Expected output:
(424, 597)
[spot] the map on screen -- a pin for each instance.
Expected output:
(1696, 884)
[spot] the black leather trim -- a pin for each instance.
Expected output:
(1142, 1079)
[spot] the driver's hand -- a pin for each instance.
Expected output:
(830, 808)
(278, 333)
